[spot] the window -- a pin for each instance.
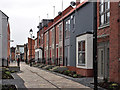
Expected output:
(104, 12)
(73, 21)
(60, 32)
(53, 38)
(47, 39)
(60, 54)
(67, 29)
(53, 41)
(42, 38)
(39, 40)
(81, 53)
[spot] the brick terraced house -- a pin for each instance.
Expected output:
(68, 39)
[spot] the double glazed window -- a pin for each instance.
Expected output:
(53, 41)
(53, 38)
(74, 21)
(47, 39)
(60, 32)
(81, 53)
(60, 53)
(67, 29)
(104, 12)
(41, 38)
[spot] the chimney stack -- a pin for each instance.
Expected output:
(77, 2)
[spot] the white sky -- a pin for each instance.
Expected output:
(24, 15)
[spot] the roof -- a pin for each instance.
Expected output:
(4, 14)
(77, 7)
(88, 32)
(19, 45)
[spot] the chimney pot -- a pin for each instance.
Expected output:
(77, 2)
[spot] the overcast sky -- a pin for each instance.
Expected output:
(24, 15)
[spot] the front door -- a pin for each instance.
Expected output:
(67, 56)
(103, 61)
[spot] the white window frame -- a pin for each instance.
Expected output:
(67, 28)
(88, 38)
(104, 14)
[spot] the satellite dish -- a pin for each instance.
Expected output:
(59, 13)
(73, 3)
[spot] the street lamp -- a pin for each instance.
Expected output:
(31, 32)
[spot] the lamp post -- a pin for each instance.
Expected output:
(31, 32)
(95, 46)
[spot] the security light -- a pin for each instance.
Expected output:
(73, 3)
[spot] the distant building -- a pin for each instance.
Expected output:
(26, 52)
(4, 39)
(12, 50)
(31, 49)
(19, 52)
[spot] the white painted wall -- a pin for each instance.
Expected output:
(3, 38)
(88, 51)
(38, 51)
(0, 38)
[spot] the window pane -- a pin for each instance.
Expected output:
(60, 32)
(69, 25)
(101, 8)
(83, 58)
(108, 17)
(83, 46)
(101, 1)
(81, 52)
(73, 21)
(79, 46)
(108, 4)
(102, 19)
(79, 58)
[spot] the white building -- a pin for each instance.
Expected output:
(3, 38)
(38, 52)
(19, 51)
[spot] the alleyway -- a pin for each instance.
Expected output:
(37, 78)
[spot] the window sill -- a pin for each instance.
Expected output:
(81, 64)
(104, 26)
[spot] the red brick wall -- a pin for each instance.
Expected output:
(83, 72)
(114, 43)
(50, 43)
(38, 39)
(29, 48)
(119, 43)
(57, 34)
(8, 35)
(13, 55)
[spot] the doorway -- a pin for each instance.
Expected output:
(103, 60)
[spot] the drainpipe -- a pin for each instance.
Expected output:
(95, 45)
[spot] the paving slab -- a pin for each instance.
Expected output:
(37, 78)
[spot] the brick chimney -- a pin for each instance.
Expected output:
(77, 2)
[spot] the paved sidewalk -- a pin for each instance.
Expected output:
(37, 78)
